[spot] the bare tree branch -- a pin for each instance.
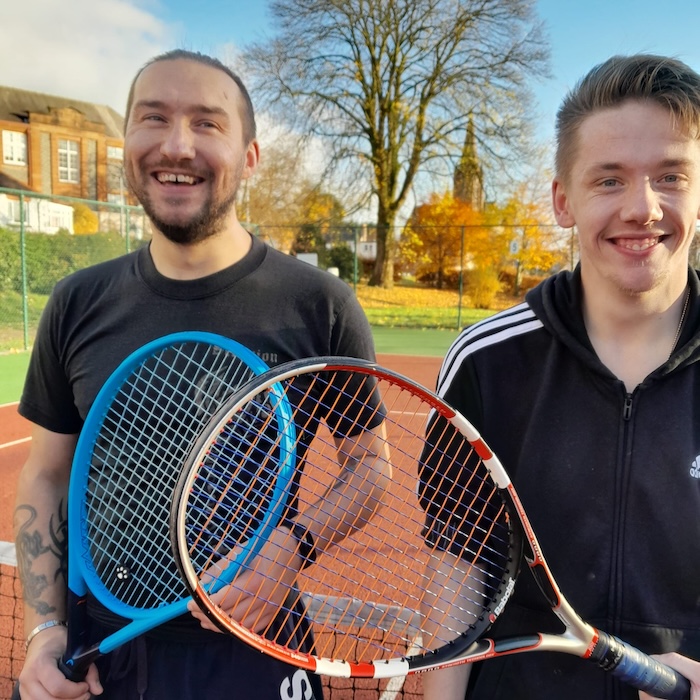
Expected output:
(391, 84)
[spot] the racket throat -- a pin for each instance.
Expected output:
(76, 667)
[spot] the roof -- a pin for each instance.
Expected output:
(11, 184)
(15, 102)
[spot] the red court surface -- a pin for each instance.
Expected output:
(14, 448)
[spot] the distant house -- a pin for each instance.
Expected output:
(39, 214)
(59, 146)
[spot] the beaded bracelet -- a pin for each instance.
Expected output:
(307, 544)
(40, 628)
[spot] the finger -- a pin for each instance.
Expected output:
(93, 680)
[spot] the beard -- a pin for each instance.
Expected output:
(207, 222)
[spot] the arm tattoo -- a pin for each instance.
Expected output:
(30, 546)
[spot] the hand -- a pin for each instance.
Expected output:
(254, 598)
(685, 666)
(40, 678)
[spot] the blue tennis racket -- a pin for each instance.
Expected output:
(128, 458)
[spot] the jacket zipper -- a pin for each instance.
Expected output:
(618, 545)
(627, 408)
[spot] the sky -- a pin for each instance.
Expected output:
(90, 49)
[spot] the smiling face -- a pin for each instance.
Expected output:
(633, 193)
(184, 151)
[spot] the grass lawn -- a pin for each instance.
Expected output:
(413, 341)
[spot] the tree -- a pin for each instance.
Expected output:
(534, 246)
(84, 219)
(437, 239)
(390, 85)
(447, 239)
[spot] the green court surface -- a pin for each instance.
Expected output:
(413, 341)
(391, 341)
(13, 367)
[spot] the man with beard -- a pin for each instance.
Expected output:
(189, 142)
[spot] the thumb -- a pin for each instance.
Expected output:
(93, 680)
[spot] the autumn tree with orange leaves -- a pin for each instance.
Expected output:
(446, 238)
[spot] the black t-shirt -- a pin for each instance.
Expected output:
(279, 307)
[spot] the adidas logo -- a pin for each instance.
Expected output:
(695, 468)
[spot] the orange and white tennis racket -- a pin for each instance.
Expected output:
(397, 576)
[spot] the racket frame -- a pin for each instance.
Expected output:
(82, 576)
(323, 665)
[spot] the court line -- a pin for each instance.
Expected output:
(14, 442)
(394, 686)
(7, 554)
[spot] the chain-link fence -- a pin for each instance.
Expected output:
(43, 239)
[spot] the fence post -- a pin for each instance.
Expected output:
(354, 259)
(461, 279)
(23, 264)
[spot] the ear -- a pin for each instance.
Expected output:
(560, 204)
(252, 158)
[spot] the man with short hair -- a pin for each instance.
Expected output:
(588, 391)
(189, 142)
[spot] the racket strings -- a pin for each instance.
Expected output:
(152, 421)
(367, 593)
(233, 488)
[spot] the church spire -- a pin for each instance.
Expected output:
(468, 177)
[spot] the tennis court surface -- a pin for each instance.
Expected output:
(14, 446)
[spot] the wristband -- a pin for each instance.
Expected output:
(307, 544)
(40, 628)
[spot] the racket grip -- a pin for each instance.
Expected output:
(639, 670)
(72, 671)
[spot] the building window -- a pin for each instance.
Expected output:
(115, 153)
(68, 161)
(14, 147)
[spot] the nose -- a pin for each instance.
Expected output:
(642, 204)
(178, 142)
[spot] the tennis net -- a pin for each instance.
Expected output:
(12, 649)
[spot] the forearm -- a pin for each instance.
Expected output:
(40, 528)
(356, 494)
(40, 542)
(445, 617)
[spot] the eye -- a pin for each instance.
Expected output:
(207, 124)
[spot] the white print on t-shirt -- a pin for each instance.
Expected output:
(299, 688)
(269, 357)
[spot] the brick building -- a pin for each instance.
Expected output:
(58, 146)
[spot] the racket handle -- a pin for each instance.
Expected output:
(73, 671)
(639, 670)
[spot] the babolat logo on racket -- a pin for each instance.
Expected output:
(122, 572)
(695, 468)
(506, 595)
